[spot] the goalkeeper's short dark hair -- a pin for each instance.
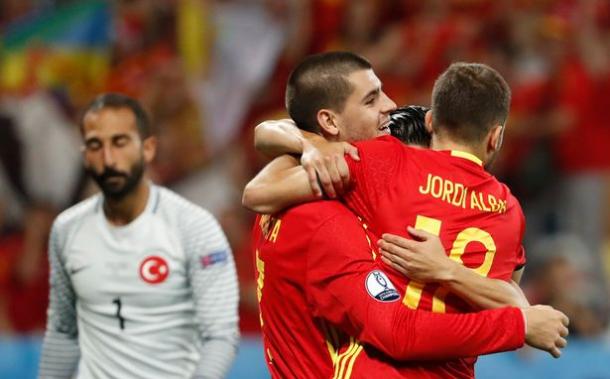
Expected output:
(408, 124)
(116, 101)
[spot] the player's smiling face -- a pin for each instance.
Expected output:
(367, 109)
(114, 153)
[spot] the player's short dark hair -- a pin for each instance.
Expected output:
(408, 124)
(468, 99)
(320, 81)
(117, 100)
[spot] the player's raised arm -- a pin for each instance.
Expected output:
(424, 259)
(323, 161)
(283, 182)
(60, 351)
(353, 292)
(278, 137)
(280, 184)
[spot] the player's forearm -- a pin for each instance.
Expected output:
(216, 297)
(277, 187)
(420, 335)
(59, 357)
(60, 350)
(278, 137)
(217, 356)
(482, 292)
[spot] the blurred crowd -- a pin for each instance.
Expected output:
(209, 70)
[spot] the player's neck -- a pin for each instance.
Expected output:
(125, 210)
(443, 143)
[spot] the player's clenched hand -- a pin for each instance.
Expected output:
(546, 329)
(423, 259)
(325, 160)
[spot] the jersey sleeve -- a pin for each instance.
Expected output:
(211, 271)
(520, 254)
(520, 258)
(60, 351)
(379, 162)
(351, 291)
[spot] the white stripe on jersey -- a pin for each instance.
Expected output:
(155, 298)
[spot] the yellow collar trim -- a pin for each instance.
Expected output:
(465, 155)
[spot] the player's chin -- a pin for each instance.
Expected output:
(115, 181)
(113, 188)
(115, 184)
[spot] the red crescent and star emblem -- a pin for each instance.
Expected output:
(154, 270)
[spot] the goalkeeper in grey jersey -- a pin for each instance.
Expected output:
(143, 282)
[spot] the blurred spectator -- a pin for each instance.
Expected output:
(559, 274)
(40, 175)
(248, 44)
(182, 148)
(582, 147)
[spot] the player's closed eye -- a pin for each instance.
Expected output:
(120, 141)
(93, 145)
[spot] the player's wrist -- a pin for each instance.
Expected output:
(304, 144)
(524, 315)
(310, 144)
(312, 141)
(450, 273)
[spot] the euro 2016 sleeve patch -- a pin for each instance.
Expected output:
(380, 287)
(214, 258)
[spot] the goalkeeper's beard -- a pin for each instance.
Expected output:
(114, 190)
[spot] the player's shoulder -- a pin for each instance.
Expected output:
(380, 143)
(75, 215)
(504, 188)
(320, 209)
(386, 149)
(511, 199)
(179, 210)
(314, 214)
(381, 156)
(512, 203)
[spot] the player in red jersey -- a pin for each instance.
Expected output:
(320, 310)
(348, 311)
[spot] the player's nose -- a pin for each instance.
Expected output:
(388, 105)
(108, 156)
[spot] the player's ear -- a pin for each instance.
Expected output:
(428, 122)
(149, 148)
(327, 120)
(496, 135)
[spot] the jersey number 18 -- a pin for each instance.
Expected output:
(433, 226)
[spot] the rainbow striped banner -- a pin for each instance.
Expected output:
(68, 46)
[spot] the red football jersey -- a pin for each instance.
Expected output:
(445, 193)
(329, 310)
(295, 344)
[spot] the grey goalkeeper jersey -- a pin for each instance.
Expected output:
(156, 298)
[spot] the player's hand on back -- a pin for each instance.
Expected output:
(423, 259)
(546, 329)
(326, 160)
